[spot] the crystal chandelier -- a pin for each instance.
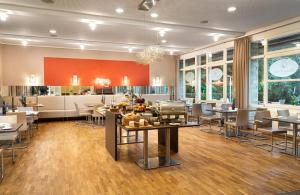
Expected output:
(151, 54)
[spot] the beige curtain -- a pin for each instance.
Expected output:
(240, 72)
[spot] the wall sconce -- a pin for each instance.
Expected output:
(32, 80)
(102, 82)
(125, 81)
(156, 81)
(75, 80)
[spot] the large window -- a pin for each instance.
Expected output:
(284, 42)
(284, 80)
(204, 76)
(257, 48)
(274, 78)
(215, 82)
(190, 62)
(190, 84)
(256, 81)
(203, 83)
(229, 82)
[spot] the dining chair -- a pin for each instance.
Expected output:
(83, 113)
(208, 116)
(241, 123)
(265, 126)
(98, 114)
(22, 119)
(196, 112)
(9, 137)
(32, 120)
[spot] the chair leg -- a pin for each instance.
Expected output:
(13, 151)
(272, 141)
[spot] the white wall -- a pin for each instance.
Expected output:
(19, 62)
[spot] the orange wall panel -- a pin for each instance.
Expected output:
(59, 71)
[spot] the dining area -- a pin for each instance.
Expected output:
(265, 128)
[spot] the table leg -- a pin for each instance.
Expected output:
(146, 148)
(225, 126)
(295, 132)
(168, 146)
(2, 167)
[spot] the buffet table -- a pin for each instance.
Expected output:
(167, 136)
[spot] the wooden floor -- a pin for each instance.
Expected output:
(65, 159)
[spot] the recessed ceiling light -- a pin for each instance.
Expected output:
(154, 15)
(82, 47)
(171, 53)
(231, 9)
(52, 31)
(3, 17)
(93, 25)
(162, 33)
(119, 10)
(24, 42)
(263, 42)
(164, 41)
(297, 44)
(130, 50)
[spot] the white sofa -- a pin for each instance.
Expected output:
(63, 106)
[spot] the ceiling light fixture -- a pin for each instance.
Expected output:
(24, 42)
(3, 17)
(119, 10)
(297, 44)
(171, 52)
(146, 5)
(82, 47)
(216, 36)
(163, 41)
(130, 49)
(231, 9)
(154, 15)
(162, 33)
(52, 31)
(93, 26)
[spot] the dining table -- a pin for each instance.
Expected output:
(226, 113)
(295, 122)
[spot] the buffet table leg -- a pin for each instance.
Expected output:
(146, 148)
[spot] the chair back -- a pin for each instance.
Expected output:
(261, 115)
(242, 118)
(205, 109)
(196, 109)
(21, 118)
(77, 108)
(10, 119)
(25, 109)
(225, 106)
(283, 113)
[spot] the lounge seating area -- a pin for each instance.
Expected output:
(149, 97)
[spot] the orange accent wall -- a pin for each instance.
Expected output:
(59, 71)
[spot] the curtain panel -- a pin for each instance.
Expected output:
(241, 72)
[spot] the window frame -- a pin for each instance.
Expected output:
(273, 54)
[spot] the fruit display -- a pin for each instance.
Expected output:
(122, 104)
(139, 108)
(130, 117)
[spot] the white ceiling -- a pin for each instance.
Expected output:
(32, 20)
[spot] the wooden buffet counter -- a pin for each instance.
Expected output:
(167, 136)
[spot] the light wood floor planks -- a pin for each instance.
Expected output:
(64, 159)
